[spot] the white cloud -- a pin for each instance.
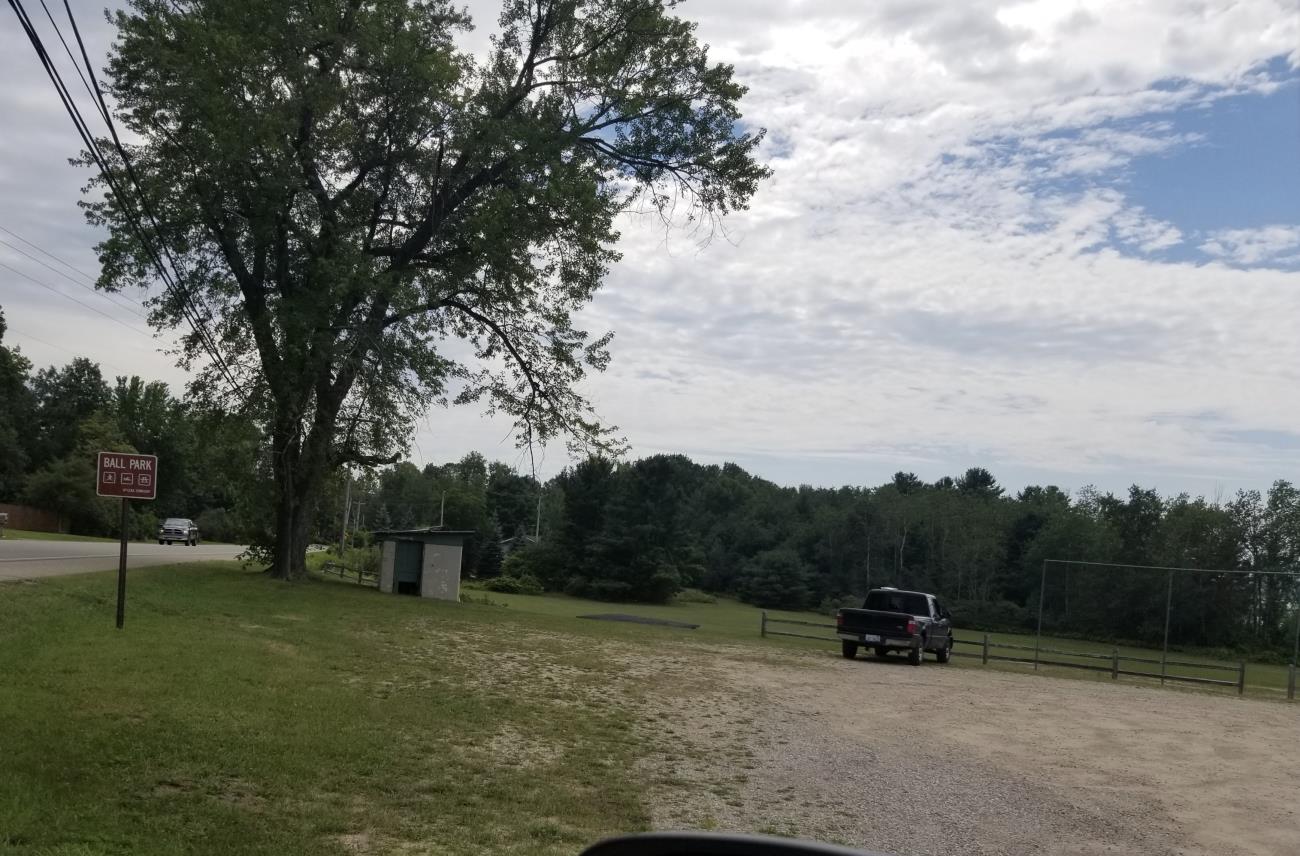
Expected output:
(1267, 244)
(945, 269)
(1135, 228)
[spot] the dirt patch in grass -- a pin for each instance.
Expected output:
(510, 746)
(356, 842)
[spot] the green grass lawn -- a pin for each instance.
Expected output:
(726, 620)
(27, 535)
(235, 714)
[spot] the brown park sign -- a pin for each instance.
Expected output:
(126, 475)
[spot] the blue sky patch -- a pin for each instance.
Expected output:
(1243, 174)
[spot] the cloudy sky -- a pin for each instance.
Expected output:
(1057, 239)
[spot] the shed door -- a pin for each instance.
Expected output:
(406, 567)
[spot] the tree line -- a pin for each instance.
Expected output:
(645, 530)
(54, 420)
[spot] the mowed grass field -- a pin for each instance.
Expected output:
(236, 714)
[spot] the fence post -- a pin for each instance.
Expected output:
(1241, 678)
(1114, 664)
(986, 649)
(762, 628)
(1290, 683)
(1038, 633)
(1169, 605)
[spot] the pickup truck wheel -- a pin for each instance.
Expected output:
(944, 654)
(849, 650)
(915, 656)
(161, 542)
(882, 652)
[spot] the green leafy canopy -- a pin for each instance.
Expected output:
(371, 220)
(347, 194)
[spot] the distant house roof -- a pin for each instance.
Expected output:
(429, 533)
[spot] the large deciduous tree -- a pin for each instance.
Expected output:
(367, 219)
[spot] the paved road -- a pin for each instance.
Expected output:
(30, 559)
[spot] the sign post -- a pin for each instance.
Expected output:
(126, 476)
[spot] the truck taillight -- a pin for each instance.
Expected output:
(912, 626)
(839, 619)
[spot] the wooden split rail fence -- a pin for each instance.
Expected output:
(1115, 663)
(365, 578)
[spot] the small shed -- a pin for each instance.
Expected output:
(423, 562)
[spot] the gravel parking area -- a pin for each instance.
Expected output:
(961, 760)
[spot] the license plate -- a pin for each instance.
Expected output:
(867, 637)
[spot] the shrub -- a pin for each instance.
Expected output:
(544, 561)
(831, 605)
(143, 525)
(365, 560)
(991, 615)
(611, 590)
(517, 564)
(217, 524)
(776, 579)
(691, 595)
(523, 584)
(658, 585)
(481, 599)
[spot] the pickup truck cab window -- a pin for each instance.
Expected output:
(906, 602)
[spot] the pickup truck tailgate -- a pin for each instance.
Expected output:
(859, 621)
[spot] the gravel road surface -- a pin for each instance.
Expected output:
(960, 760)
(31, 559)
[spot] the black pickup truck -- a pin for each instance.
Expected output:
(890, 619)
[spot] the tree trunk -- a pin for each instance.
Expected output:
(292, 514)
(296, 480)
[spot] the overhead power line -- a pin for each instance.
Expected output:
(25, 335)
(68, 50)
(11, 233)
(64, 294)
(196, 318)
(75, 282)
(127, 205)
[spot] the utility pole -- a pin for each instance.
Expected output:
(868, 580)
(347, 509)
(537, 528)
(442, 510)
